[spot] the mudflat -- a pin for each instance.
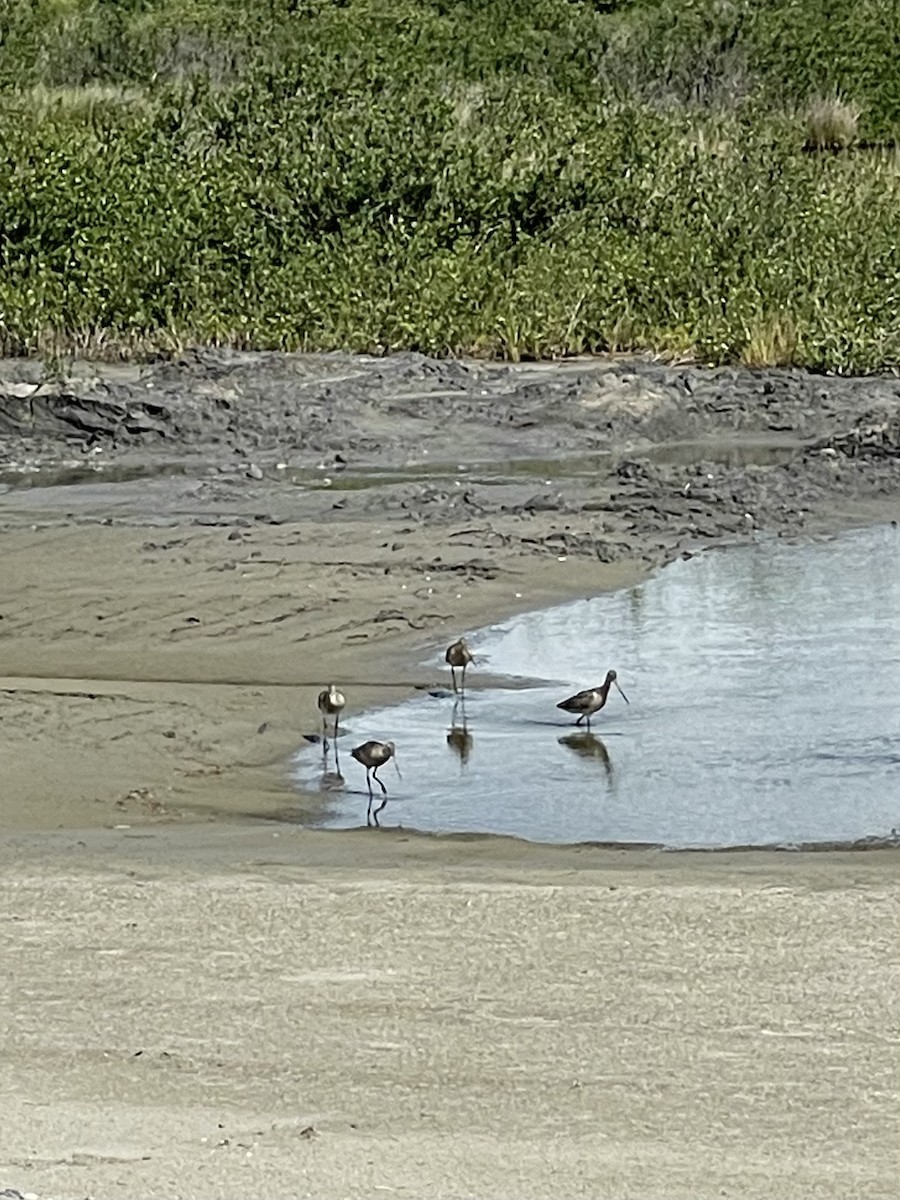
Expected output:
(208, 999)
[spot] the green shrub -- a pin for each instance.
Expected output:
(489, 176)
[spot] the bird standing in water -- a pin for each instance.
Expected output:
(459, 655)
(331, 703)
(591, 700)
(373, 755)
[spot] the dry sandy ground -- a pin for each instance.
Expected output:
(340, 1017)
(200, 1004)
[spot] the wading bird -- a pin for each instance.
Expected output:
(331, 703)
(459, 655)
(591, 700)
(374, 755)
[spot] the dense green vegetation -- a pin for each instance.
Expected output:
(512, 177)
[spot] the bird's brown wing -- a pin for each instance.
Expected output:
(579, 700)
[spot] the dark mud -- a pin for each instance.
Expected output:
(597, 458)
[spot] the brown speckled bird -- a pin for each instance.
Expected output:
(331, 704)
(459, 655)
(591, 700)
(374, 755)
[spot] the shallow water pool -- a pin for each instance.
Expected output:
(765, 710)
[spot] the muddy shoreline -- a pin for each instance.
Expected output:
(208, 1000)
(191, 548)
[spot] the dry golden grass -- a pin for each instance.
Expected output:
(84, 99)
(102, 345)
(772, 341)
(832, 123)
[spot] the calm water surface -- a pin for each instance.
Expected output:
(765, 709)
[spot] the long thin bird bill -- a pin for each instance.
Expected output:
(621, 693)
(396, 768)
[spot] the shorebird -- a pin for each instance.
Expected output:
(591, 700)
(331, 703)
(373, 755)
(459, 655)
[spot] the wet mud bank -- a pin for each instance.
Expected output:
(629, 449)
(192, 547)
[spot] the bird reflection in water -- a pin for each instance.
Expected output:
(458, 737)
(331, 781)
(588, 745)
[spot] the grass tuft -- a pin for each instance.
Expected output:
(832, 123)
(772, 341)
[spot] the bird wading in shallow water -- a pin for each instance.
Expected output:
(331, 704)
(373, 755)
(591, 700)
(459, 655)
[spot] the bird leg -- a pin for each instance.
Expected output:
(337, 717)
(453, 677)
(369, 809)
(377, 811)
(463, 688)
(378, 781)
(580, 719)
(325, 731)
